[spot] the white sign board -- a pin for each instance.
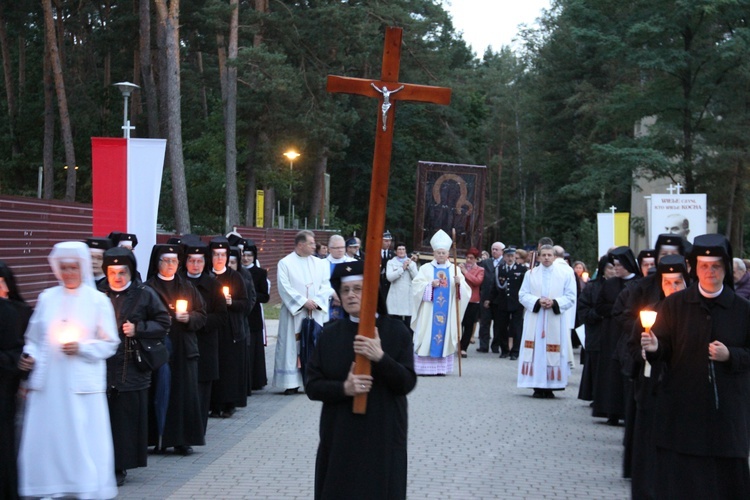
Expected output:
(683, 214)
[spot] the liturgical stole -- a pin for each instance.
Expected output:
(440, 303)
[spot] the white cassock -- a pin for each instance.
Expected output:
(543, 359)
(66, 444)
(569, 314)
(422, 315)
(298, 279)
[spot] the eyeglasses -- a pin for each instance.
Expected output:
(170, 261)
(335, 248)
(356, 290)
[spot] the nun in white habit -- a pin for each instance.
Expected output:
(66, 445)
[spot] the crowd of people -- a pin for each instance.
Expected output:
(110, 365)
(126, 364)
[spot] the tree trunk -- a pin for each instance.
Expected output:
(148, 87)
(316, 204)
(62, 102)
(230, 122)
(270, 207)
(10, 93)
(48, 147)
(169, 18)
(204, 94)
(250, 188)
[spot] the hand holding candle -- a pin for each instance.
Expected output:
(68, 337)
(649, 341)
(181, 313)
(227, 295)
(585, 277)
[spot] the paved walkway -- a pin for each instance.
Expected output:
(473, 437)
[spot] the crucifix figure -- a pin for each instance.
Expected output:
(386, 101)
(381, 164)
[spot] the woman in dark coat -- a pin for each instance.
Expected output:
(14, 316)
(184, 426)
(361, 456)
(139, 314)
(256, 351)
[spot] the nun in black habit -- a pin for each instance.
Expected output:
(184, 425)
(14, 317)
(230, 391)
(139, 313)
(361, 456)
(609, 393)
(256, 351)
(702, 335)
(216, 319)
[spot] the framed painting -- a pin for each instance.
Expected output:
(449, 196)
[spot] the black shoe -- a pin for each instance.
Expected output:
(228, 413)
(504, 355)
(538, 394)
(495, 351)
(513, 357)
(120, 476)
(613, 421)
(183, 450)
(293, 390)
(549, 395)
(479, 349)
(215, 414)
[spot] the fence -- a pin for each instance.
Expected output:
(29, 228)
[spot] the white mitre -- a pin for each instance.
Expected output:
(441, 241)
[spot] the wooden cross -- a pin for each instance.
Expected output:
(387, 90)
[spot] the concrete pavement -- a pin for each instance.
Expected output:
(470, 437)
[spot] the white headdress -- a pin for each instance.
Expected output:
(441, 241)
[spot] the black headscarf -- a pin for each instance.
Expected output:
(624, 255)
(713, 245)
(120, 256)
(10, 281)
(157, 252)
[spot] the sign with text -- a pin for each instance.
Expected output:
(683, 214)
(260, 206)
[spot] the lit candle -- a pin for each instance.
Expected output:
(648, 318)
(181, 306)
(68, 334)
(585, 277)
(225, 289)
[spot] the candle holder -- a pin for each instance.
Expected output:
(181, 306)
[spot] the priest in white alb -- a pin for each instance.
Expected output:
(434, 316)
(546, 293)
(304, 288)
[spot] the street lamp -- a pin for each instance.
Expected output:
(291, 155)
(126, 88)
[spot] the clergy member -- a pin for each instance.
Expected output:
(546, 293)
(97, 247)
(336, 255)
(361, 456)
(434, 294)
(304, 288)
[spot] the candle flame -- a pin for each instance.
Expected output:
(67, 334)
(648, 318)
(225, 289)
(585, 276)
(181, 306)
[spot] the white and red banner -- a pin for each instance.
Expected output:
(126, 183)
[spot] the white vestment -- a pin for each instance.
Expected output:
(298, 279)
(543, 360)
(422, 310)
(398, 301)
(66, 444)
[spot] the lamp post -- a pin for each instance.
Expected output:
(291, 155)
(126, 88)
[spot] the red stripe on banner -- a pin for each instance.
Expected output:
(109, 160)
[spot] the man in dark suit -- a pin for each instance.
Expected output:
(485, 290)
(509, 312)
(386, 254)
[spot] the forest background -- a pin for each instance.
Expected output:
(233, 84)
